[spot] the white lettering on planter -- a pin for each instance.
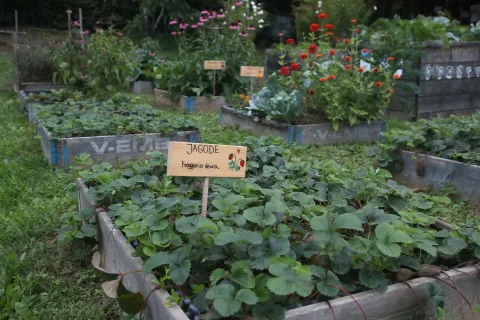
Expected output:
(141, 144)
(123, 146)
(97, 149)
(161, 144)
(147, 145)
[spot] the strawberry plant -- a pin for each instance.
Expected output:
(456, 138)
(288, 234)
(116, 116)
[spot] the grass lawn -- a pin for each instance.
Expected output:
(55, 280)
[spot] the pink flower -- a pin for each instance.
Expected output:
(212, 15)
(77, 23)
(80, 41)
(120, 34)
(84, 76)
(173, 22)
(194, 26)
(98, 29)
(243, 34)
(249, 18)
(183, 25)
(200, 23)
(86, 31)
(203, 19)
(58, 43)
(173, 33)
(234, 26)
(238, 3)
(69, 11)
(239, 23)
(205, 11)
(151, 53)
(251, 28)
(220, 16)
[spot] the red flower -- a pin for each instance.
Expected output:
(332, 52)
(336, 39)
(346, 40)
(378, 84)
(303, 55)
(319, 55)
(353, 21)
(314, 27)
(242, 163)
(361, 70)
(290, 41)
(230, 157)
(390, 58)
(330, 34)
(348, 58)
(294, 66)
(322, 16)
(311, 92)
(284, 71)
(348, 67)
(397, 77)
(312, 49)
(323, 80)
(365, 50)
(331, 77)
(376, 70)
(329, 26)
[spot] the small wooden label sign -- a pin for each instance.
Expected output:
(214, 65)
(251, 72)
(187, 159)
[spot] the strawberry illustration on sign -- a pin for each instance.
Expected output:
(235, 164)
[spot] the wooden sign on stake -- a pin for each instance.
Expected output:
(252, 72)
(187, 159)
(214, 65)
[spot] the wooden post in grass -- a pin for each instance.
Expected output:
(214, 65)
(187, 159)
(16, 82)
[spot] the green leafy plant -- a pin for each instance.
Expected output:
(456, 138)
(116, 116)
(287, 234)
(148, 60)
(223, 35)
(99, 64)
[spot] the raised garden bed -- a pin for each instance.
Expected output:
(116, 256)
(303, 134)
(429, 172)
(112, 148)
(140, 87)
(190, 104)
(397, 303)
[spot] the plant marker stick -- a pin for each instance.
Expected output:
(81, 26)
(205, 197)
(214, 81)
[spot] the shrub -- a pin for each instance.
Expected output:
(147, 60)
(98, 64)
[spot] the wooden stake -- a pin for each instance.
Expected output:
(81, 27)
(205, 197)
(69, 23)
(214, 81)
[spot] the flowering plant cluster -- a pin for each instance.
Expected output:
(347, 84)
(148, 59)
(227, 35)
(98, 62)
